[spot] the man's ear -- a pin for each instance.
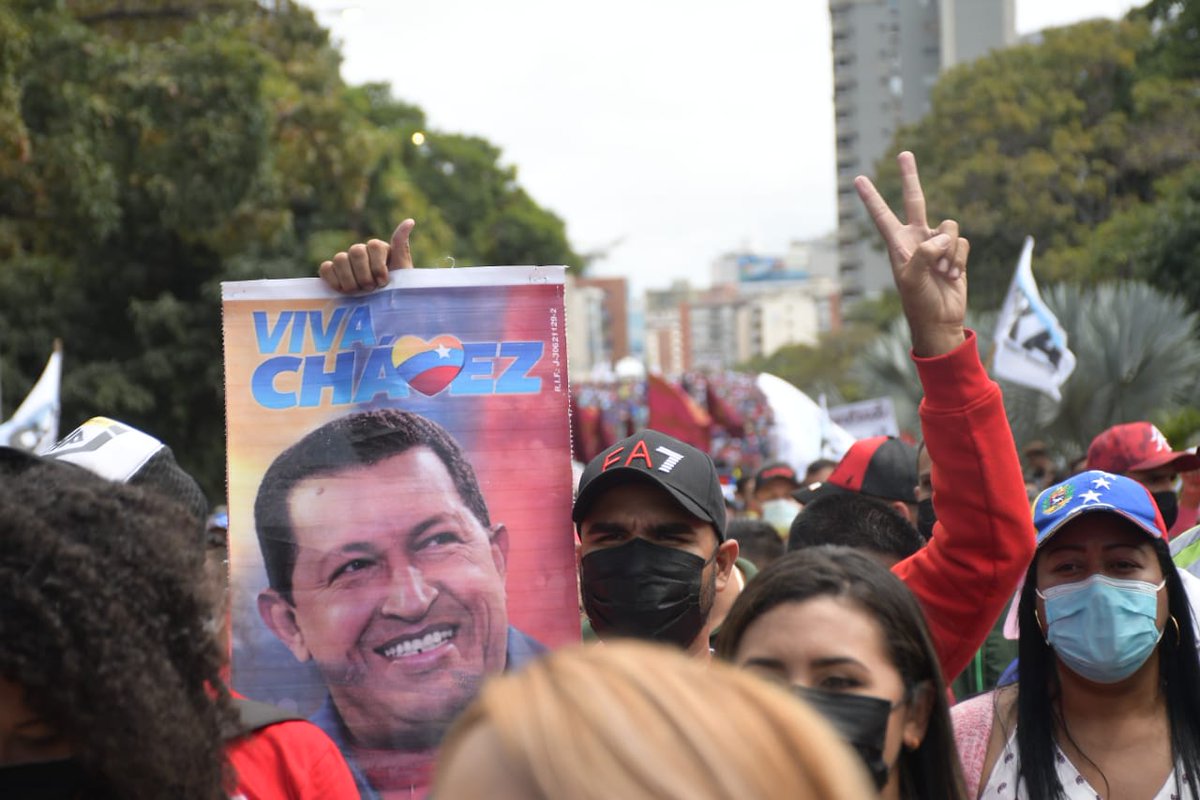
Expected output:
(916, 720)
(280, 616)
(499, 542)
(905, 510)
(727, 555)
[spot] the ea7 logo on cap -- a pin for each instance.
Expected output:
(640, 452)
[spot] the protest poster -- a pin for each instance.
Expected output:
(358, 431)
(867, 418)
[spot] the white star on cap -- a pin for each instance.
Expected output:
(1103, 483)
(443, 351)
(1090, 496)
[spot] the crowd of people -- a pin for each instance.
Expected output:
(800, 640)
(740, 414)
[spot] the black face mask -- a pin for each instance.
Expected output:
(645, 591)
(926, 516)
(61, 779)
(1168, 506)
(861, 721)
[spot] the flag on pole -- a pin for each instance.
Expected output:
(34, 425)
(722, 413)
(675, 413)
(802, 431)
(1031, 347)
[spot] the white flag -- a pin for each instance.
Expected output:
(1031, 347)
(34, 425)
(802, 431)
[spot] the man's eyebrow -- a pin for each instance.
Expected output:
(370, 548)
(671, 529)
(605, 526)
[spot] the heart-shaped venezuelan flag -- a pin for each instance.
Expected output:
(428, 366)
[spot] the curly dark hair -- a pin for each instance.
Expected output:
(355, 440)
(104, 614)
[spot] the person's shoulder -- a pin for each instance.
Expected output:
(293, 758)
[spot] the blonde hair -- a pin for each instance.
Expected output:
(634, 720)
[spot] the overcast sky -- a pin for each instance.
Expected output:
(667, 132)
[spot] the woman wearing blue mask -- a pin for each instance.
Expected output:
(1108, 699)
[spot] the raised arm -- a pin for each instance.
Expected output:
(983, 540)
(929, 265)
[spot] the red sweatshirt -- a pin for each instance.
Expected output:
(984, 538)
(292, 760)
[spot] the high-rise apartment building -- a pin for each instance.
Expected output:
(887, 55)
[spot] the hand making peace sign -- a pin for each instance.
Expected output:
(929, 265)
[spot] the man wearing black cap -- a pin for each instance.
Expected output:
(652, 551)
(882, 467)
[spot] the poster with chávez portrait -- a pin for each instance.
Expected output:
(399, 500)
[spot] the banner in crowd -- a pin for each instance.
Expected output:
(399, 497)
(867, 418)
(1031, 346)
(34, 425)
(802, 432)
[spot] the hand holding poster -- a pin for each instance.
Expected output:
(399, 500)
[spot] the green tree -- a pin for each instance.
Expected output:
(150, 150)
(1055, 139)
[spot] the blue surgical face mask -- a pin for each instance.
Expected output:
(1103, 628)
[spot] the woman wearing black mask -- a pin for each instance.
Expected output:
(850, 637)
(110, 682)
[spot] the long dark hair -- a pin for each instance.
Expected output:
(1037, 698)
(104, 619)
(931, 771)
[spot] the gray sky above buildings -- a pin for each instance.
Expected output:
(668, 132)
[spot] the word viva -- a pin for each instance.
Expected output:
(353, 365)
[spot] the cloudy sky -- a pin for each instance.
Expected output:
(663, 131)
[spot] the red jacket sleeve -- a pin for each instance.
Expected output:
(292, 760)
(984, 539)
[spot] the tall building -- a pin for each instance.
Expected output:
(597, 323)
(887, 55)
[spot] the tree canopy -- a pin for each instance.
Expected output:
(1087, 140)
(150, 150)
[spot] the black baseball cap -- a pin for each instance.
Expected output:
(688, 475)
(881, 466)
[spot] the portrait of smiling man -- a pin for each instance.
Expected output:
(386, 571)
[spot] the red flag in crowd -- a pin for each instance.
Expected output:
(675, 413)
(721, 412)
(585, 431)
